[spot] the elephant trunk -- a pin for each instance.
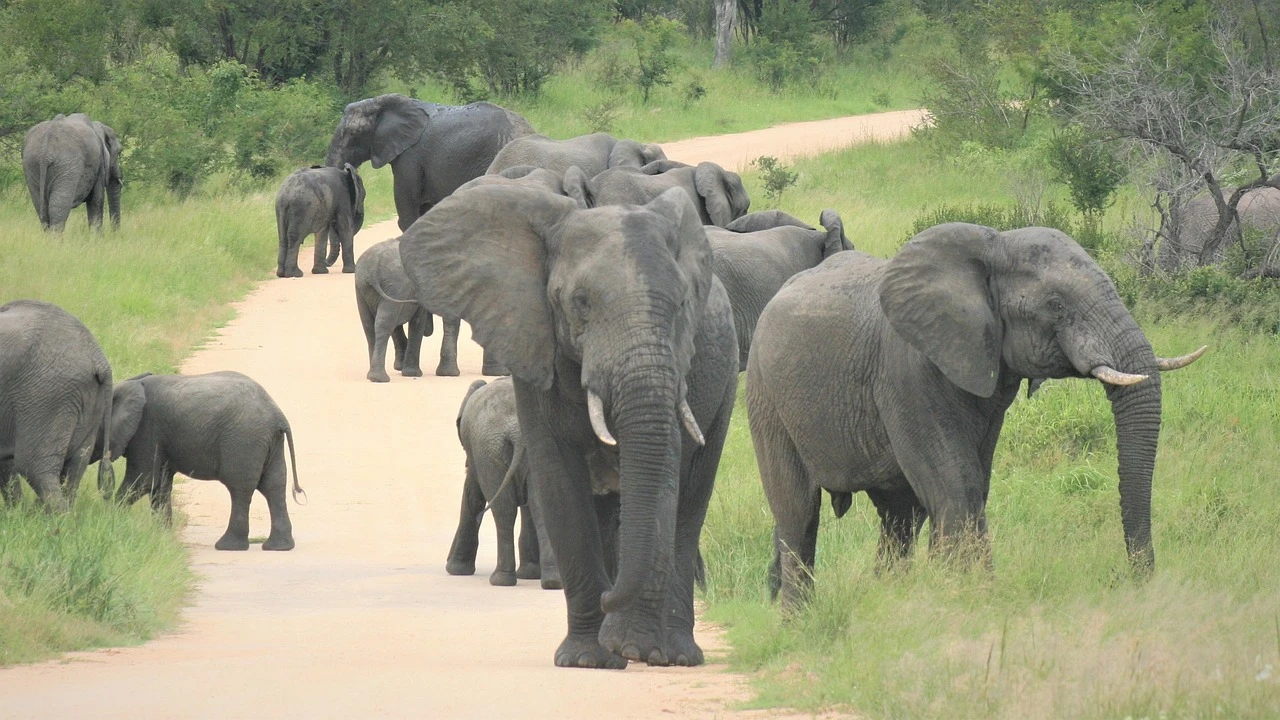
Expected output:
(113, 201)
(649, 455)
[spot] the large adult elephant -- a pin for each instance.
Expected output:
(617, 334)
(757, 253)
(593, 154)
(1258, 212)
(432, 148)
(55, 402)
(893, 377)
(718, 194)
(68, 161)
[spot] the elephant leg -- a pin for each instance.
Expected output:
(291, 268)
(492, 367)
(43, 451)
(348, 251)
(408, 202)
(324, 238)
(504, 519)
(410, 365)
(901, 517)
(462, 553)
(274, 485)
(608, 518)
(162, 496)
(383, 325)
(795, 501)
(237, 535)
(548, 568)
(368, 321)
(134, 484)
(72, 473)
(529, 568)
(398, 342)
(448, 366)
(94, 206)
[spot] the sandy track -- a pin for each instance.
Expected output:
(361, 620)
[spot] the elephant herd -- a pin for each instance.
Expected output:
(623, 293)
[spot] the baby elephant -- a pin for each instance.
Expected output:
(220, 426)
(385, 299)
(497, 473)
(326, 201)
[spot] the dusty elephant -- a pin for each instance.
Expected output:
(757, 253)
(718, 194)
(327, 202)
(930, 348)
(611, 322)
(55, 402)
(593, 154)
(497, 479)
(217, 426)
(68, 161)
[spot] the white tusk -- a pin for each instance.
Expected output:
(691, 423)
(595, 407)
(1177, 363)
(1115, 377)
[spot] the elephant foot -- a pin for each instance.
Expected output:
(494, 370)
(295, 273)
(328, 262)
(447, 369)
(319, 270)
(411, 372)
(398, 365)
(460, 567)
(578, 651)
(281, 543)
(682, 650)
(502, 578)
(638, 639)
(348, 269)
(529, 571)
(230, 542)
(378, 376)
(551, 580)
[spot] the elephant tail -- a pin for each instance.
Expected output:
(293, 463)
(516, 459)
(378, 287)
(106, 473)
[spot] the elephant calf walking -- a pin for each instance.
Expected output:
(498, 474)
(327, 202)
(219, 426)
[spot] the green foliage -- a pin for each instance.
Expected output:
(655, 62)
(783, 49)
(776, 177)
(1088, 166)
(993, 215)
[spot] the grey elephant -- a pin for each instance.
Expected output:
(55, 402)
(497, 479)
(757, 253)
(327, 202)
(1258, 212)
(593, 154)
(432, 149)
(68, 161)
(386, 302)
(623, 357)
(217, 426)
(718, 194)
(893, 377)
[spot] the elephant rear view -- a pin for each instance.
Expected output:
(68, 161)
(718, 194)
(327, 202)
(218, 426)
(55, 402)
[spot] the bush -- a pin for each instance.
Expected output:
(783, 49)
(777, 177)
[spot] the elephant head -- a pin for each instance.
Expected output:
(629, 153)
(603, 304)
(719, 193)
(767, 220)
(113, 179)
(378, 129)
(526, 175)
(975, 302)
(355, 193)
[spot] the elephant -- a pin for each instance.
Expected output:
(611, 321)
(432, 148)
(71, 160)
(893, 377)
(217, 426)
(497, 479)
(55, 403)
(1258, 211)
(757, 253)
(717, 193)
(326, 201)
(593, 154)
(380, 285)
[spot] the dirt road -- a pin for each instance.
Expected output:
(361, 620)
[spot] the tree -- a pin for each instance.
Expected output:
(726, 17)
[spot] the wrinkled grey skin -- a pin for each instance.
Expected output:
(218, 426)
(618, 303)
(893, 377)
(1258, 210)
(432, 148)
(759, 252)
(498, 474)
(593, 154)
(327, 202)
(71, 160)
(385, 299)
(717, 193)
(55, 402)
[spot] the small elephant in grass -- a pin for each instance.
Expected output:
(326, 201)
(757, 253)
(218, 426)
(497, 479)
(718, 194)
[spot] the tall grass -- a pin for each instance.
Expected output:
(1059, 629)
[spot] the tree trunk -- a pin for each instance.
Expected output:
(726, 14)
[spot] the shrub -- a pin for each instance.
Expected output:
(777, 177)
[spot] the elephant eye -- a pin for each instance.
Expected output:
(581, 305)
(1056, 306)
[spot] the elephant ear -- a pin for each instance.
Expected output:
(657, 167)
(577, 185)
(127, 404)
(379, 129)
(112, 144)
(936, 295)
(692, 254)
(766, 220)
(479, 254)
(629, 153)
(722, 192)
(836, 241)
(355, 192)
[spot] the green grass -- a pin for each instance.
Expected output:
(1059, 629)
